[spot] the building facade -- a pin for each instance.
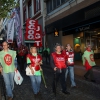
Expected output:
(76, 22)
(33, 9)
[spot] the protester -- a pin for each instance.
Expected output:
(8, 66)
(21, 57)
(89, 63)
(34, 60)
(40, 51)
(70, 65)
(46, 53)
(58, 63)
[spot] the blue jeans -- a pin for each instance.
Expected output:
(70, 70)
(9, 83)
(35, 81)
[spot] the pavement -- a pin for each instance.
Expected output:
(85, 90)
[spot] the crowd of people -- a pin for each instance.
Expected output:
(61, 60)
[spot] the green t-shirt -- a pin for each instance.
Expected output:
(47, 50)
(7, 60)
(37, 73)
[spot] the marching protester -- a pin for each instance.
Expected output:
(21, 57)
(8, 66)
(34, 60)
(58, 63)
(89, 63)
(46, 53)
(63, 50)
(70, 65)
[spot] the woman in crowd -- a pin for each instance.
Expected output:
(34, 60)
(70, 65)
(58, 63)
(89, 63)
(8, 65)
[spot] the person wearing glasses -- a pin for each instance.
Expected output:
(8, 66)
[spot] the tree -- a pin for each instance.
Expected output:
(6, 6)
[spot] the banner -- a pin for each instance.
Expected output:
(33, 32)
(31, 26)
(10, 31)
(38, 37)
(17, 22)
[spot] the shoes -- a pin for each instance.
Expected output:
(35, 95)
(93, 81)
(66, 92)
(85, 77)
(39, 93)
(9, 98)
(74, 87)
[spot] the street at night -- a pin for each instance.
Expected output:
(49, 49)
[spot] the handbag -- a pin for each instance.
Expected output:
(18, 78)
(28, 70)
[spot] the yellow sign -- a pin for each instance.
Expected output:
(56, 33)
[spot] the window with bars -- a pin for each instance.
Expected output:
(53, 4)
(49, 6)
(58, 2)
(62, 1)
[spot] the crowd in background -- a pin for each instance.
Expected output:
(22, 52)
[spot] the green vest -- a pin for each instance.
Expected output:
(7, 60)
(89, 57)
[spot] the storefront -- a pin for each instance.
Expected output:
(78, 29)
(81, 36)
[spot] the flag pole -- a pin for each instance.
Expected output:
(43, 78)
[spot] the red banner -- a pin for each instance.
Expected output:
(33, 32)
(38, 37)
(31, 26)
